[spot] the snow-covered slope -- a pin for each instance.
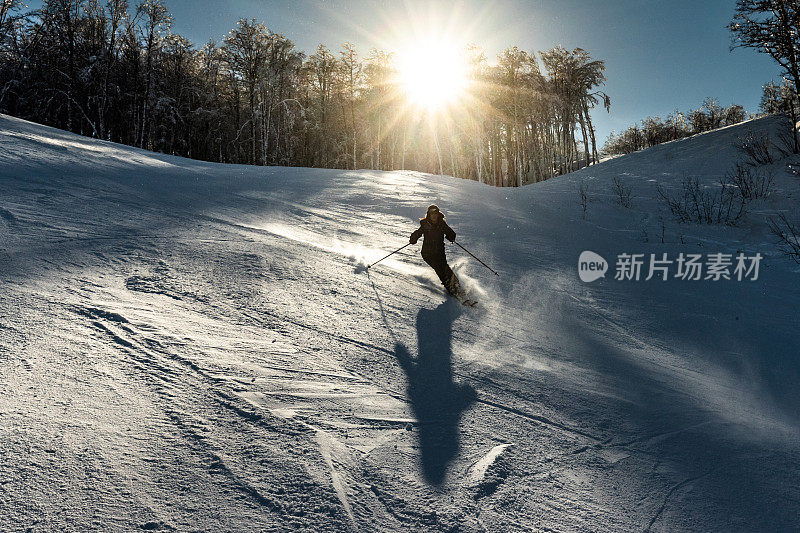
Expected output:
(199, 347)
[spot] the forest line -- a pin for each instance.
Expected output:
(117, 72)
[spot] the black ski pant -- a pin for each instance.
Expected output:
(439, 264)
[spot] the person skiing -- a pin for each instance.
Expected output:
(433, 228)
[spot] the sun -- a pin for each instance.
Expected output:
(433, 73)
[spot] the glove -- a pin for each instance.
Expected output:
(412, 240)
(451, 240)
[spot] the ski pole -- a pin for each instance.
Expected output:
(479, 261)
(387, 255)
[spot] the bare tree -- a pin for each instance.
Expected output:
(245, 49)
(157, 20)
(351, 72)
(771, 27)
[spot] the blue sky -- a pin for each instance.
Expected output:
(660, 55)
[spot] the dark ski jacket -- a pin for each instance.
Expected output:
(433, 243)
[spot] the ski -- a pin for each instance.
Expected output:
(455, 290)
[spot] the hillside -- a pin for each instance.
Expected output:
(196, 346)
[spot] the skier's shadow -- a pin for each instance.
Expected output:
(436, 400)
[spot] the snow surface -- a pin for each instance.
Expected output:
(195, 346)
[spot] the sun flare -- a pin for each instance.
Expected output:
(433, 73)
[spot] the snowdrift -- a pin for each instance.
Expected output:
(199, 346)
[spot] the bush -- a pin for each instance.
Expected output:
(583, 191)
(752, 184)
(756, 148)
(788, 236)
(623, 192)
(702, 205)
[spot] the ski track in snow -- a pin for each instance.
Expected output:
(188, 346)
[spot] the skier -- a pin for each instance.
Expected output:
(434, 228)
